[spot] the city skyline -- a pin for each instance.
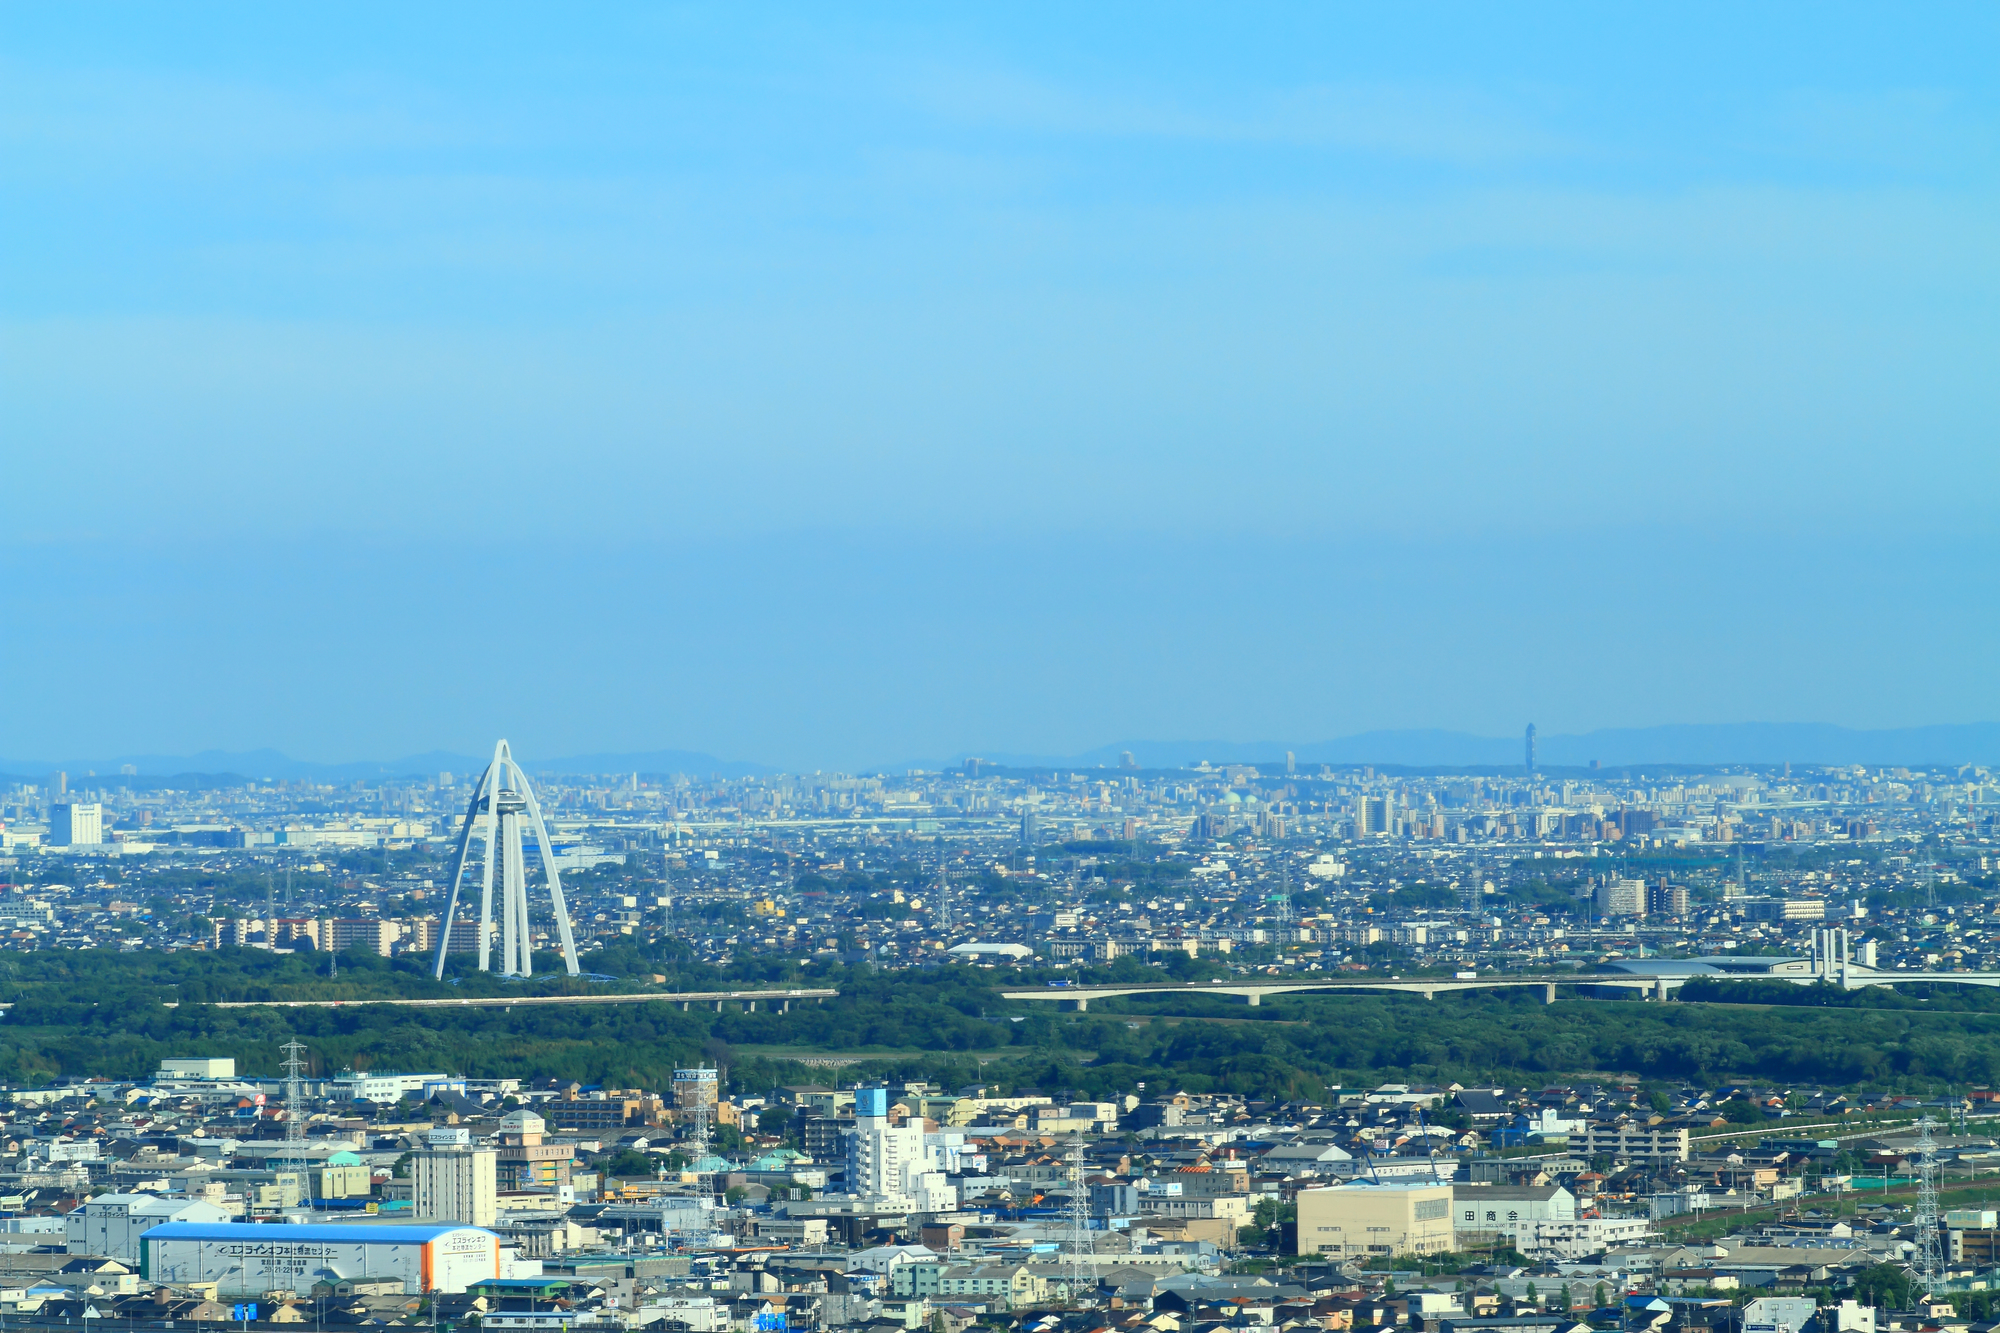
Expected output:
(1753, 745)
(999, 669)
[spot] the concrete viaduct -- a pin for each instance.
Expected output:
(1658, 985)
(779, 1000)
(1079, 997)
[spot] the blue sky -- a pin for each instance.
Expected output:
(834, 387)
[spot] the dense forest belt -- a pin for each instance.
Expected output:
(90, 1013)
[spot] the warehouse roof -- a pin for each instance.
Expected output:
(279, 1232)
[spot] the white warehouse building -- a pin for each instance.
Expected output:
(111, 1224)
(252, 1259)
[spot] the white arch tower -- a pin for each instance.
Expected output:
(500, 799)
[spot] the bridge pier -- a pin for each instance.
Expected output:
(1255, 998)
(1430, 994)
(1660, 991)
(750, 1008)
(684, 1006)
(1549, 993)
(1081, 1004)
(718, 1006)
(785, 1007)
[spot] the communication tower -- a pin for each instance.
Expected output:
(501, 799)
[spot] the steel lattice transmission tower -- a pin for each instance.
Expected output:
(1077, 1247)
(1929, 1257)
(295, 1111)
(697, 1139)
(500, 800)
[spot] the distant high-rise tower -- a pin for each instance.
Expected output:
(76, 824)
(499, 800)
(1531, 747)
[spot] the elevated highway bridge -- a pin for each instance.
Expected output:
(1254, 990)
(1657, 979)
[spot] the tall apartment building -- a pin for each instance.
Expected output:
(1372, 815)
(342, 934)
(454, 1182)
(285, 932)
(1621, 897)
(878, 1152)
(76, 824)
(1664, 899)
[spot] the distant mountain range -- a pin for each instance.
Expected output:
(1723, 743)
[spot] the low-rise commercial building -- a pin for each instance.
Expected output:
(1366, 1218)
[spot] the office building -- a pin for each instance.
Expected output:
(388, 1088)
(1487, 1211)
(76, 824)
(195, 1067)
(1531, 747)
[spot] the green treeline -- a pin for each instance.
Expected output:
(90, 1013)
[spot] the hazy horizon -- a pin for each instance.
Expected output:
(1684, 746)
